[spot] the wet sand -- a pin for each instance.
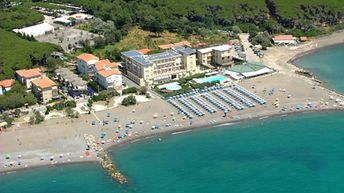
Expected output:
(63, 138)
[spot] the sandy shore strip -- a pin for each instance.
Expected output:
(64, 140)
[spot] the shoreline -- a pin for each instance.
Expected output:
(221, 124)
(312, 51)
(206, 123)
(182, 130)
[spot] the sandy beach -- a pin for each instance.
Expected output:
(64, 140)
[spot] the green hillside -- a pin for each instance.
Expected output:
(17, 53)
(297, 13)
(19, 16)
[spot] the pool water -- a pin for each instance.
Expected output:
(170, 86)
(212, 79)
(174, 87)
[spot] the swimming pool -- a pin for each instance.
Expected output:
(211, 79)
(173, 86)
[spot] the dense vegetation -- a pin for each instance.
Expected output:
(296, 13)
(189, 17)
(18, 16)
(16, 97)
(18, 53)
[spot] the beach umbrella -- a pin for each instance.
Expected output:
(8, 156)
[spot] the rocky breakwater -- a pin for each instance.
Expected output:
(107, 164)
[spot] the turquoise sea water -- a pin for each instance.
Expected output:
(301, 153)
(328, 65)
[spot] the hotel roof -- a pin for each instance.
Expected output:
(142, 60)
(107, 73)
(184, 50)
(163, 55)
(6, 83)
(148, 59)
(29, 73)
(87, 57)
(44, 82)
(131, 53)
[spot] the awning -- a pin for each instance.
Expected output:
(256, 73)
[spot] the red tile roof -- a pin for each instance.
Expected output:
(169, 46)
(44, 82)
(283, 37)
(107, 73)
(303, 38)
(6, 83)
(102, 64)
(87, 57)
(144, 51)
(183, 43)
(165, 46)
(29, 73)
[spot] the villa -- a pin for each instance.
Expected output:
(104, 72)
(6, 85)
(107, 75)
(44, 89)
(27, 76)
(85, 63)
(161, 67)
(109, 78)
(217, 55)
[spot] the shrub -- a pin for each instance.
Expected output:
(142, 90)
(129, 100)
(105, 95)
(71, 104)
(72, 113)
(36, 118)
(130, 90)
(9, 120)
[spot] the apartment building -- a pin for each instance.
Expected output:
(156, 68)
(75, 85)
(215, 56)
(107, 75)
(27, 76)
(85, 63)
(44, 89)
(109, 78)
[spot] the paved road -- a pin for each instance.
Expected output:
(250, 56)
